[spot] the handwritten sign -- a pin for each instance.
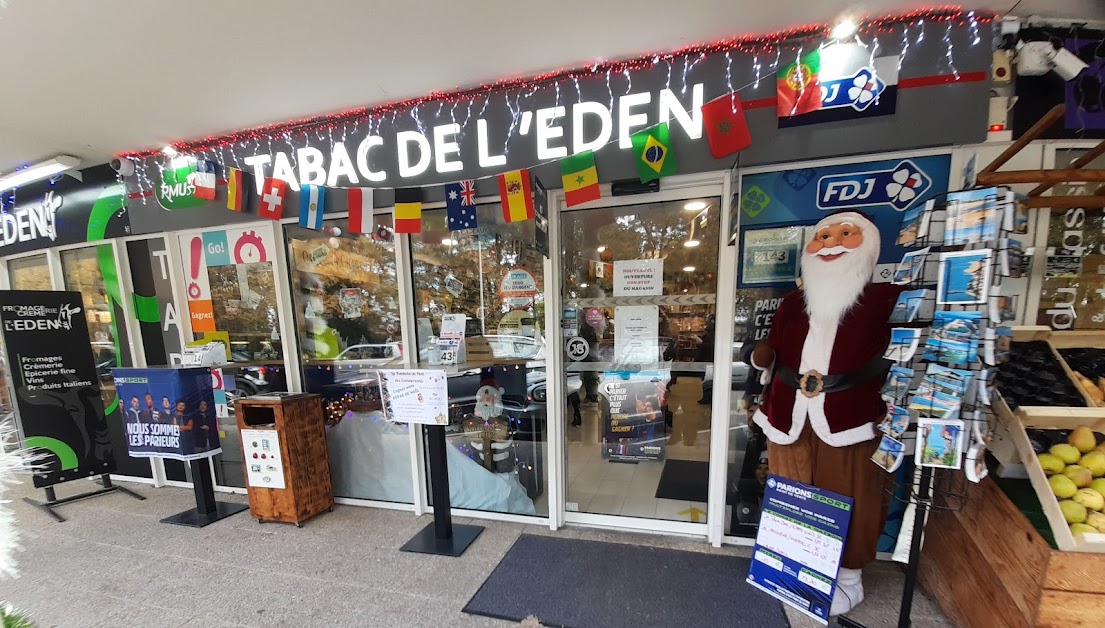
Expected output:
(799, 545)
(415, 396)
(637, 277)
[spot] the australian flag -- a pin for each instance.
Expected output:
(460, 205)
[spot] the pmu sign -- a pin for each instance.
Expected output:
(898, 187)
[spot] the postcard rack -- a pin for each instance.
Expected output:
(979, 243)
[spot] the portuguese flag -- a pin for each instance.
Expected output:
(581, 179)
(652, 147)
(799, 86)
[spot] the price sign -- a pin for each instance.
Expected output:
(450, 342)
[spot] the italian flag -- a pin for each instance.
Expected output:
(799, 85)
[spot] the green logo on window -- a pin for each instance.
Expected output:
(755, 200)
(176, 189)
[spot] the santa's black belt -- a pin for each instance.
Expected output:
(812, 383)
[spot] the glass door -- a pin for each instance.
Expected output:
(639, 293)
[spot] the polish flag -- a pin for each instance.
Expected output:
(360, 210)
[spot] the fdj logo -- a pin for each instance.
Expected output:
(898, 187)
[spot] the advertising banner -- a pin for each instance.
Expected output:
(799, 545)
(169, 412)
(884, 190)
(57, 390)
(633, 421)
(415, 396)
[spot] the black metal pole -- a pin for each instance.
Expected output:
(203, 486)
(922, 507)
(439, 481)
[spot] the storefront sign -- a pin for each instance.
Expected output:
(178, 187)
(799, 545)
(415, 396)
(65, 212)
(638, 277)
(633, 424)
(883, 190)
(57, 389)
(852, 84)
(169, 412)
(264, 460)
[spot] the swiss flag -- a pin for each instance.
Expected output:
(726, 128)
(273, 194)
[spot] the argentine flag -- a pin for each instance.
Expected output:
(312, 200)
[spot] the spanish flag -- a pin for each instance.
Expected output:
(408, 210)
(237, 187)
(516, 195)
(581, 179)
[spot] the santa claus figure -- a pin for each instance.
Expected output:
(823, 357)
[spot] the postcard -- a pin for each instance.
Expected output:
(936, 405)
(908, 306)
(954, 338)
(964, 277)
(956, 352)
(972, 216)
(943, 379)
(980, 427)
(956, 325)
(915, 223)
(996, 346)
(985, 382)
(975, 466)
(912, 266)
(1003, 308)
(1013, 260)
(889, 455)
(1062, 265)
(1015, 214)
(898, 382)
(895, 423)
(903, 344)
(939, 443)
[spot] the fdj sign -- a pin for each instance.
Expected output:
(898, 187)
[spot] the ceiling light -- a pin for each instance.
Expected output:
(170, 151)
(43, 170)
(694, 206)
(449, 242)
(691, 243)
(844, 29)
(688, 269)
(583, 285)
(601, 248)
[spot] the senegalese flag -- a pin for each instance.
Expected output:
(237, 189)
(798, 87)
(581, 179)
(652, 148)
(408, 210)
(516, 195)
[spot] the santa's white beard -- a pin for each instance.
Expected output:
(832, 287)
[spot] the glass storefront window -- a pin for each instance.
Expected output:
(639, 294)
(346, 298)
(29, 273)
(497, 423)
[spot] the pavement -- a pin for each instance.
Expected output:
(112, 564)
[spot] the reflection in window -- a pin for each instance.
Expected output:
(29, 273)
(81, 269)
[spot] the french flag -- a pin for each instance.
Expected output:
(204, 180)
(360, 210)
(312, 201)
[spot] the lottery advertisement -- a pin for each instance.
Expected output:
(799, 545)
(169, 412)
(237, 248)
(633, 414)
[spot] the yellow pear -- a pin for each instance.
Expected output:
(1097, 520)
(1073, 511)
(1089, 498)
(1083, 438)
(1095, 462)
(1062, 486)
(1052, 464)
(1081, 528)
(1069, 454)
(1081, 476)
(1098, 485)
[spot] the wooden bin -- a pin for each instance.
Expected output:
(297, 421)
(1062, 340)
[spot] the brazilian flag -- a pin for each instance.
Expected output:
(652, 147)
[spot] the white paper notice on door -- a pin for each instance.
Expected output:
(264, 466)
(636, 334)
(638, 277)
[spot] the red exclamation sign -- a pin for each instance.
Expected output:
(197, 255)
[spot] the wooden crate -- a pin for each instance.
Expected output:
(298, 420)
(1061, 340)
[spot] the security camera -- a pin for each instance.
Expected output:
(123, 166)
(1036, 58)
(1067, 65)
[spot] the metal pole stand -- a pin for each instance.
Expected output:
(441, 537)
(52, 499)
(207, 510)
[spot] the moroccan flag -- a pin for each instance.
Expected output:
(516, 195)
(581, 179)
(272, 198)
(798, 87)
(652, 148)
(237, 189)
(360, 210)
(460, 205)
(726, 128)
(408, 210)
(204, 180)
(312, 205)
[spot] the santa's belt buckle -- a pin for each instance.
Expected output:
(818, 384)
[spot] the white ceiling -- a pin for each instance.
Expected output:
(95, 78)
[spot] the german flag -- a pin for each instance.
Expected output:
(408, 210)
(237, 190)
(581, 179)
(516, 195)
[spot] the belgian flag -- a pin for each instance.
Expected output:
(408, 210)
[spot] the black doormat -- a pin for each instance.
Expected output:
(685, 480)
(581, 584)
